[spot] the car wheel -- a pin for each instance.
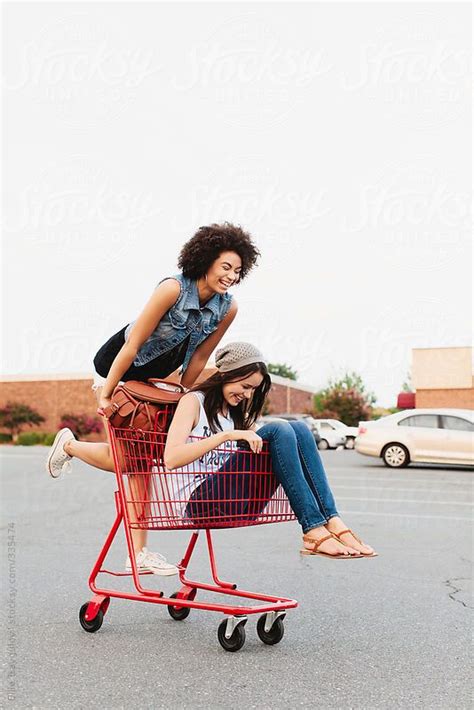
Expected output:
(395, 456)
(323, 444)
(350, 443)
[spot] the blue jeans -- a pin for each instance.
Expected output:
(297, 467)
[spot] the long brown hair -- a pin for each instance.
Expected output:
(246, 412)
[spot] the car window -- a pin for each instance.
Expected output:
(325, 425)
(456, 423)
(422, 420)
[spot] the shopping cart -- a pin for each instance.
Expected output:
(150, 497)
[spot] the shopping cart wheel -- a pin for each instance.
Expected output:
(237, 638)
(178, 613)
(274, 634)
(94, 624)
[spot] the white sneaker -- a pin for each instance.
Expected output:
(58, 460)
(151, 562)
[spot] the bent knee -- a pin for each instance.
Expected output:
(299, 425)
(281, 426)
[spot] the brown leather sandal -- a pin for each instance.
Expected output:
(348, 530)
(317, 543)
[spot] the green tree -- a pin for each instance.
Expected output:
(352, 381)
(407, 385)
(346, 399)
(15, 416)
(282, 370)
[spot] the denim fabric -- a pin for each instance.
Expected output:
(185, 318)
(296, 464)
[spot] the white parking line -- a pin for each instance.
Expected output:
(401, 500)
(397, 490)
(405, 515)
(389, 479)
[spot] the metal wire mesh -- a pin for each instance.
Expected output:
(228, 487)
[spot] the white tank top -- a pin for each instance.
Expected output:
(189, 477)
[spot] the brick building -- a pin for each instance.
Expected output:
(54, 396)
(443, 377)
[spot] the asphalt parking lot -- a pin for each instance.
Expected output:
(389, 632)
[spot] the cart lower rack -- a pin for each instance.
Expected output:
(243, 492)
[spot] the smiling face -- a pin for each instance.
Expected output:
(235, 392)
(224, 272)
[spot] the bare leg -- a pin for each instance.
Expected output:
(98, 455)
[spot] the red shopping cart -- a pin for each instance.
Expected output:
(150, 497)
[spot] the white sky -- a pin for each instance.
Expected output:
(337, 134)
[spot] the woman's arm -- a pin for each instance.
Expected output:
(163, 297)
(202, 353)
(179, 453)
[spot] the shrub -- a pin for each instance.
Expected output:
(30, 438)
(81, 424)
(345, 399)
(48, 439)
(5, 438)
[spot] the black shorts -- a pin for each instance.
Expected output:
(159, 367)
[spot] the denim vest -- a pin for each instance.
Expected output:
(185, 318)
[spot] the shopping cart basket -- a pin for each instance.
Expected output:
(150, 497)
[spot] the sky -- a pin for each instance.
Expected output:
(338, 135)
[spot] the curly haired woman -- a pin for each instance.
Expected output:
(182, 323)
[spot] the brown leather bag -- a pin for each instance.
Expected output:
(143, 406)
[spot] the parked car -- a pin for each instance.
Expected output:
(306, 418)
(419, 435)
(350, 432)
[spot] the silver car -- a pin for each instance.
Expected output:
(419, 435)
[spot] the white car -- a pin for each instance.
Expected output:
(350, 432)
(331, 437)
(419, 435)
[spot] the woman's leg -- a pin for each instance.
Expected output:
(317, 479)
(313, 469)
(235, 493)
(289, 471)
(94, 454)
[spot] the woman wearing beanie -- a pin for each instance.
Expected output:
(180, 326)
(225, 408)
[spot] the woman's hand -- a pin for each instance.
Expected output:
(254, 440)
(103, 403)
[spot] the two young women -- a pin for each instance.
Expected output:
(181, 325)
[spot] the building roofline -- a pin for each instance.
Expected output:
(294, 384)
(446, 347)
(40, 377)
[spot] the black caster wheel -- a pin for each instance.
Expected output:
(236, 641)
(178, 613)
(94, 624)
(274, 635)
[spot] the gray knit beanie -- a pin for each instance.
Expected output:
(235, 355)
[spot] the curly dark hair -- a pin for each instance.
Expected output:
(198, 254)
